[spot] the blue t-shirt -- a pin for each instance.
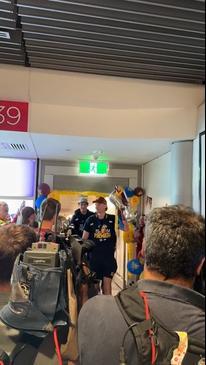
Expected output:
(39, 201)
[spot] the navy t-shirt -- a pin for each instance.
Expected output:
(78, 220)
(102, 232)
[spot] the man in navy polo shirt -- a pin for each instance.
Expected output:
(80, 216)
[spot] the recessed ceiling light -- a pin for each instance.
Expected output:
(5, 35)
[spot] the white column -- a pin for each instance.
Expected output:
(182, 172)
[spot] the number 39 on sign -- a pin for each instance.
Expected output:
(14, 116)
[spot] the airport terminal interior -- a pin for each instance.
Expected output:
(102, 99)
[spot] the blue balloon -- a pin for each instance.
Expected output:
(129, 192)
(135, 267)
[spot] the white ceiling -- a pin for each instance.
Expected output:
(69, 148)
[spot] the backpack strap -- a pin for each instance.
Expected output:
(154, 341)
(195, 346)
(136, 313)
(151, 330)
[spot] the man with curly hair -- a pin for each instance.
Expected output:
(174, 250)
(13, 240)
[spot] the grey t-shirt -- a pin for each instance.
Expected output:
(102, 327)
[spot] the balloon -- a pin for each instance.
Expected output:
(120, 192)
(139, 191)
(135, 201)
(127, 201)
(129, 192)
(135, 267)
(129, 215)
(116, 200)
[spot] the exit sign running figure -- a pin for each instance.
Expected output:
(93, 168)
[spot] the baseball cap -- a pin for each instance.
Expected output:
(100, 200)
(25, 317)
(82, 200)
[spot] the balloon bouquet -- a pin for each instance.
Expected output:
(128, 204)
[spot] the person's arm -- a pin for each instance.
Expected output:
(114, 236)
(87, 229)
(18, 214)
(85, 235)
(73, 223)
(72, 219)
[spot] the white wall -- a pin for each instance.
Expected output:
(64, 103)
(196, 152)
(182, 172)
(157, 173)
(201, 119)
(157, 180)
(196, 176)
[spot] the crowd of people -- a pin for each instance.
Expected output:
(173, 246)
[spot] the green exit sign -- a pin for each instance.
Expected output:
(93, 168)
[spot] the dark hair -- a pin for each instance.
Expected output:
(45, 189)
(49, 208)
(26, 214)
(174, 241)
(13, 240)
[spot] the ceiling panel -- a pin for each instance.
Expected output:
(149, 39)
(16, 144)
(123, 38)
(70, 148)
(11, 41)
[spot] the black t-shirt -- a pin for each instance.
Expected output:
(78, 220)
(102, 232)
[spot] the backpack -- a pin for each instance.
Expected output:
(38, 301)
(155, 344)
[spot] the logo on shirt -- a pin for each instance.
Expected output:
(103, 233)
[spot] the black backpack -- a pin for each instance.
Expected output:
(155, 344)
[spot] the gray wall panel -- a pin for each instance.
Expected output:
(82, 183)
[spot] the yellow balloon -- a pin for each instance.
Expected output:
(135, 201)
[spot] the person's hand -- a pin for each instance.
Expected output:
(22, 206)
(8, 218)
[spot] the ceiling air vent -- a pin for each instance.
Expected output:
(17, 147)
(5, 35)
